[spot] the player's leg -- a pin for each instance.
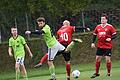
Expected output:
(51, 54)
(108, 64)
(99, 55)
(108, 61)
(72, 44)
(17, 68)
(51, 69)
(67, 62)
(43, 60)
(23, 69)
(97, 64)
(24, 72)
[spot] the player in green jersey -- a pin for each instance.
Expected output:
(17, 44)
(53, 45)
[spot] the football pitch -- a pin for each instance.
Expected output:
(86, 71)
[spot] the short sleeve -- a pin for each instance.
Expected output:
(113, 30)
(23, 40)
(10, 43)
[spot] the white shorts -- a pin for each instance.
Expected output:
(20, 60)
(53, 50)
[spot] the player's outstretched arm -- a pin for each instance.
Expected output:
(10, 51)
(29, 51)
(39, 32)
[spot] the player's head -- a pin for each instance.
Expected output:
(104, 18)
(41, 21)
(14, 31)
(66, 23)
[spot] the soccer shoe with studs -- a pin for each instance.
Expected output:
(68, 78)
(52, 79)
(38, 65)
(108, 74)
(95, 75)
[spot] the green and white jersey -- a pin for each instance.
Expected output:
(17, 46)
(48, 36)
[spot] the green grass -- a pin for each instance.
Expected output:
(86, 71)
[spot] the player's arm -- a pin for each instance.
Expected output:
(39, 32)
(29, 51)
(93, 41)
(26, 46)
(113, 37)
(114, 34)
(10, 51)
(10, 48)
(81, 28)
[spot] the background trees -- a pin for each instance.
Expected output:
(16, 12)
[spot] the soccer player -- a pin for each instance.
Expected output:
(17, 44)
(53, 45)
(64, 36)
(105, 34)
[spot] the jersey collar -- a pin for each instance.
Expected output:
(104, 25)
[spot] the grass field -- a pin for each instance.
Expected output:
(86, 71)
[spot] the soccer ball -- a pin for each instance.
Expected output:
(76, 73)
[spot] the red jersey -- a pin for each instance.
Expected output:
(102, 34)
(64, 34)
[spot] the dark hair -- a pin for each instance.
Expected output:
(13, 27)
(41, 19)
(104, 15)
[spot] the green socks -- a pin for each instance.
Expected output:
(17, 74)
(52, 71)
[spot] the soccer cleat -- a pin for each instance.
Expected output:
(77, 40)
(53, 79)
(95, 75)
(68, 78)
(38, 65)
(108, 74)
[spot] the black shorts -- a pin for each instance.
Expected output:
(66, 55)
(103, 52)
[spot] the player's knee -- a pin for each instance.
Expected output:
(108, 60)
(50, 62)
(17, 67)
(67, 62)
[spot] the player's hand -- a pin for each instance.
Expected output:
(93, 45)
(10, 54)
(27, 32)
(88, 29)
(108, 39)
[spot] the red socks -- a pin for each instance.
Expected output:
(68, 69)
(97, 67)
(108, 65)
(44, 58)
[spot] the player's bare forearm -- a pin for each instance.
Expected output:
(29, 51)
(10, 51)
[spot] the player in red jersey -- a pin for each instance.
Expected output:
(64, 36)
(105, 34)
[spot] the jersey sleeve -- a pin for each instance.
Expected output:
(46, 29)
(10, 43)
(113, 30)
(23, 40)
